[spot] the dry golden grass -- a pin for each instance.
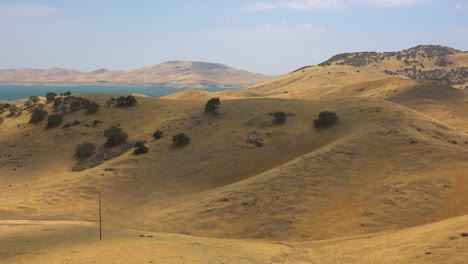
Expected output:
(381, 172)
(386, 184)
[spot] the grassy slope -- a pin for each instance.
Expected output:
(363, 170)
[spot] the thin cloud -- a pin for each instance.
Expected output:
(25, 11)
(462, 5)
(305, 5)
(283, 31)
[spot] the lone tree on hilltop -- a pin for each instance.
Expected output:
(180, 140)
(325, 119)
(126, 101)
(279, 118)
(212, 105)
(50, 96)
(115, 136)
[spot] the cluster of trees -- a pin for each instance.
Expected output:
(122, 101)
(453, 76)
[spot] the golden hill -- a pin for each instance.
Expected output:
(383, 171)
(177, 74)
(386, 184)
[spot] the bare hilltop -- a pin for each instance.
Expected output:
(174, 74)
(333, 163)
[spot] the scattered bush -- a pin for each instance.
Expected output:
(75, 105)
(54, 120)
(212, 105)
(158, 134)
(50, 96)
(115, 136)
(92, 107)
(85, 150)
(34, 99)
(180, 140)
(74, 123)
(58, 101)
(140, 148)
(279, 118)
(4, 107)
(38, 114)
(110, 102)
(326, 119)
(1, 120)
(125, 101)
(67, 93)
(64, 109)
(13, 109)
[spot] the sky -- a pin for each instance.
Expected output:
(268, 37)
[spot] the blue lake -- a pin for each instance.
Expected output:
(14, 92)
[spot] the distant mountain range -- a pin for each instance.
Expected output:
(176, 74)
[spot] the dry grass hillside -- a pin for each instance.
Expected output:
(308, 195)
(178, 74)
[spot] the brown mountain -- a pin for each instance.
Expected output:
(177, 74)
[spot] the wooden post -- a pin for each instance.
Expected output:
(100, 218)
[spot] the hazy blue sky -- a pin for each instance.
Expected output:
(269, 37)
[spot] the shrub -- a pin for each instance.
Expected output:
(115, 136)
(67, 93)
(92, 107)
(158, 134)
(180, 140)
(325, 119)
(212, 105)
(125, 101)
(64, 109)
(34, 99)
(50, 96)
(1, 120)
(13, 109)
(85, 150)
(38, 115)
(140, 148)
(58, 101)
(74, 123)
(74, 106)
(279, 118)
(4, 107)
(54, 120)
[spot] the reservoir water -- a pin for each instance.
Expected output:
(14, 92)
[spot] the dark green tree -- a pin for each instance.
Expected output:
(158, 134)
(54, 120)
(115, 136)
(180, 140)
(140, 148)
(212, 105)
(50, 96)
(325, 119)
(38, 114)
(123, 101)
(279, 118)
(85, 150)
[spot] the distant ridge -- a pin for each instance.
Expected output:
(176, 74)
(429, 62)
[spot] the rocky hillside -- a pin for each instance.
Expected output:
(429, 62)
(177, 74)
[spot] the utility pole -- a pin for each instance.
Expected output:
(100, 218)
